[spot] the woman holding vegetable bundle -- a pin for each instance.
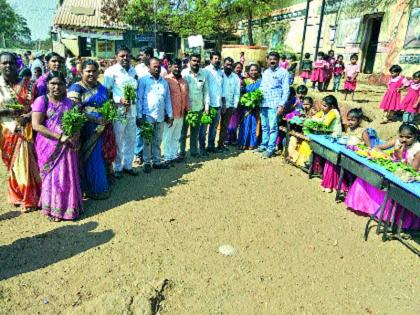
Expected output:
(248, 138)
(16, 138)
(96, 152)
(56, 147)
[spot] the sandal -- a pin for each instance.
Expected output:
(28, 209)
(53, 219)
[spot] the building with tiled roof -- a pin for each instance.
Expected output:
(81, 29)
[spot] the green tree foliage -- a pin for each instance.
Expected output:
(210, 18)
(13, 28)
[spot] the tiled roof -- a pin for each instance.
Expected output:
(83, 13)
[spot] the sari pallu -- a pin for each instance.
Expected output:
(17, 150)
(97, 150)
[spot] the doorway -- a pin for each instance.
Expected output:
(373, 28)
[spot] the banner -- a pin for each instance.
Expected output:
(73, 34)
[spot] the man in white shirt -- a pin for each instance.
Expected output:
(231, 94)
(154, 107)
(142, 69)
(116, 78)
(215, 83)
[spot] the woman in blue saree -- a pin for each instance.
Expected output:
(91, 95)
(248, 130)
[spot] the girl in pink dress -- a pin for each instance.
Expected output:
(283, 62)
(350, 73)
(391, 101)
(410, 103)
(338, 72)
(318, 72)
(329, 71)
(366, 199)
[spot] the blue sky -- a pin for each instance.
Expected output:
(38, 13)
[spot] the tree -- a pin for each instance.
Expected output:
(249, 10)
(13, 28)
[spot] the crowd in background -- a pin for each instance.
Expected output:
(54, 172)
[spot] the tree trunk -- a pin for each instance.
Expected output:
(250, 34)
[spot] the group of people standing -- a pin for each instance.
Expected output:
(54, 172)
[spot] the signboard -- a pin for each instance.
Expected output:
(73, 34)
(347, 32)
(195, 41)
(412, 59)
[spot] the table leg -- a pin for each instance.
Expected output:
(311, 166)
(387, 222)
(400, 222)
(340, 182)
(382, 210)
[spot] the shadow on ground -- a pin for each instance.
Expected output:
(155, 184)
(39, 251)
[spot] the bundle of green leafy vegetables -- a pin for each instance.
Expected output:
(73, 121)
(146, 131)
(252, 99)
(15, 106)
(129, 93)
(311, 126)
(207, 118)
(110, 112)
(192, 118)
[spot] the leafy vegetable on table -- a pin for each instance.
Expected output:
(146, 131)
(252, 100)
(192, 118)
(312, 126)
(73, 121)
(130, 93)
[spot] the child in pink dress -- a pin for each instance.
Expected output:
(350, 73)
(391, 101)
(366, 199)
(329, 72)
(283, 62)
(318, 72)
(338, 72)
(410, 103)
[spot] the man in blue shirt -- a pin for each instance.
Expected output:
(154, 107)
(275, 88)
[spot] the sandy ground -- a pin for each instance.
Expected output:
(152, 247)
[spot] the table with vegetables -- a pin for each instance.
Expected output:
(399, 180)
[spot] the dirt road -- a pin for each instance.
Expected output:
(153, 248)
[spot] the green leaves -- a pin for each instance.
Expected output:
(129, 93)
(252, 100)
(206, 119)
(192, 118)
(73, 121)
(146, 131)
(110, 112)
(311, 126)
(15, 106)
(13, 27)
